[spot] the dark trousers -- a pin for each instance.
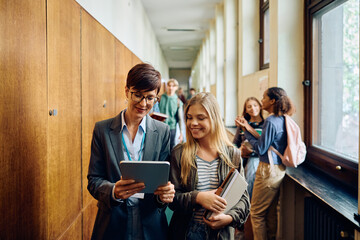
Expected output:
(172, 138)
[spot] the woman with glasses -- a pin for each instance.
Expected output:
(132, 135)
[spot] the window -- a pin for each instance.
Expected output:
(264, 34)
(332, 95)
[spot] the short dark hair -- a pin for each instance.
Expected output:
(144, 77)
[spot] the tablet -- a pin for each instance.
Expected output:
(152, 173)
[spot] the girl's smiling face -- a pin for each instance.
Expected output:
(253, 108)
(198, 121)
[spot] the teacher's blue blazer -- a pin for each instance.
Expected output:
(104, 171)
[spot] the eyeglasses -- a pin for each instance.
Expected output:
(137, 97)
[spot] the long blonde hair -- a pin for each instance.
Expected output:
(218, 136)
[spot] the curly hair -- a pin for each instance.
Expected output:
(283, 104)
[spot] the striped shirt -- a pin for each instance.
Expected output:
(208, 180)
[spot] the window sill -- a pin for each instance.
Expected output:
(333, 194)
(231, 130)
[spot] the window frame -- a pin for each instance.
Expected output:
(322, 160)
(264, 6)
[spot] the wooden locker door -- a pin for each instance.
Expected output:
(98, 94)
(64, 136)
(23, 121)
(123, 65)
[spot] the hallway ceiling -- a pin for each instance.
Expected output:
(180, 27)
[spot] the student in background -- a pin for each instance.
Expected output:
(155, 108)
(198, 167)
(253, 120)
(268, 178)
(180, 93)
(171, 105)
(123, 212)
(181, 96)
(192, 93)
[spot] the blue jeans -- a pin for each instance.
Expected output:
(250, 171)
(197, 231)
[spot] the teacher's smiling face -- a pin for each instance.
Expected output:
(140, 102)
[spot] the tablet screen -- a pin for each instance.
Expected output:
(152, 173)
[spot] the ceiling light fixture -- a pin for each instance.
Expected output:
(179, 48)
(181, 30)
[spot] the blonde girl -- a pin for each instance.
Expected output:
(198, 167)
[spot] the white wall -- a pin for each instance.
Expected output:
(231, 60)
(249, 33)
(286, 55)
(128, 22)
(287, 59)
(219, 42)
(217, 61)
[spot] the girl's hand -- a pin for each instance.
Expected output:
(243, 123)
(209, 200)
(245, 151)
(166, 192)
(237, 121)
(218, 221)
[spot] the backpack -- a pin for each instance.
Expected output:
(295, 150)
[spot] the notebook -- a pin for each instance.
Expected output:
(232, 189)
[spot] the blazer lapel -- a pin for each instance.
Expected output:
(115, 137)
(150, 140)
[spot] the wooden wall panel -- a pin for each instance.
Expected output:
(23, 119)
(74, 230)
(64, 135)
(98, 84)
(79, 69)
(123, 65)
(89, 214)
